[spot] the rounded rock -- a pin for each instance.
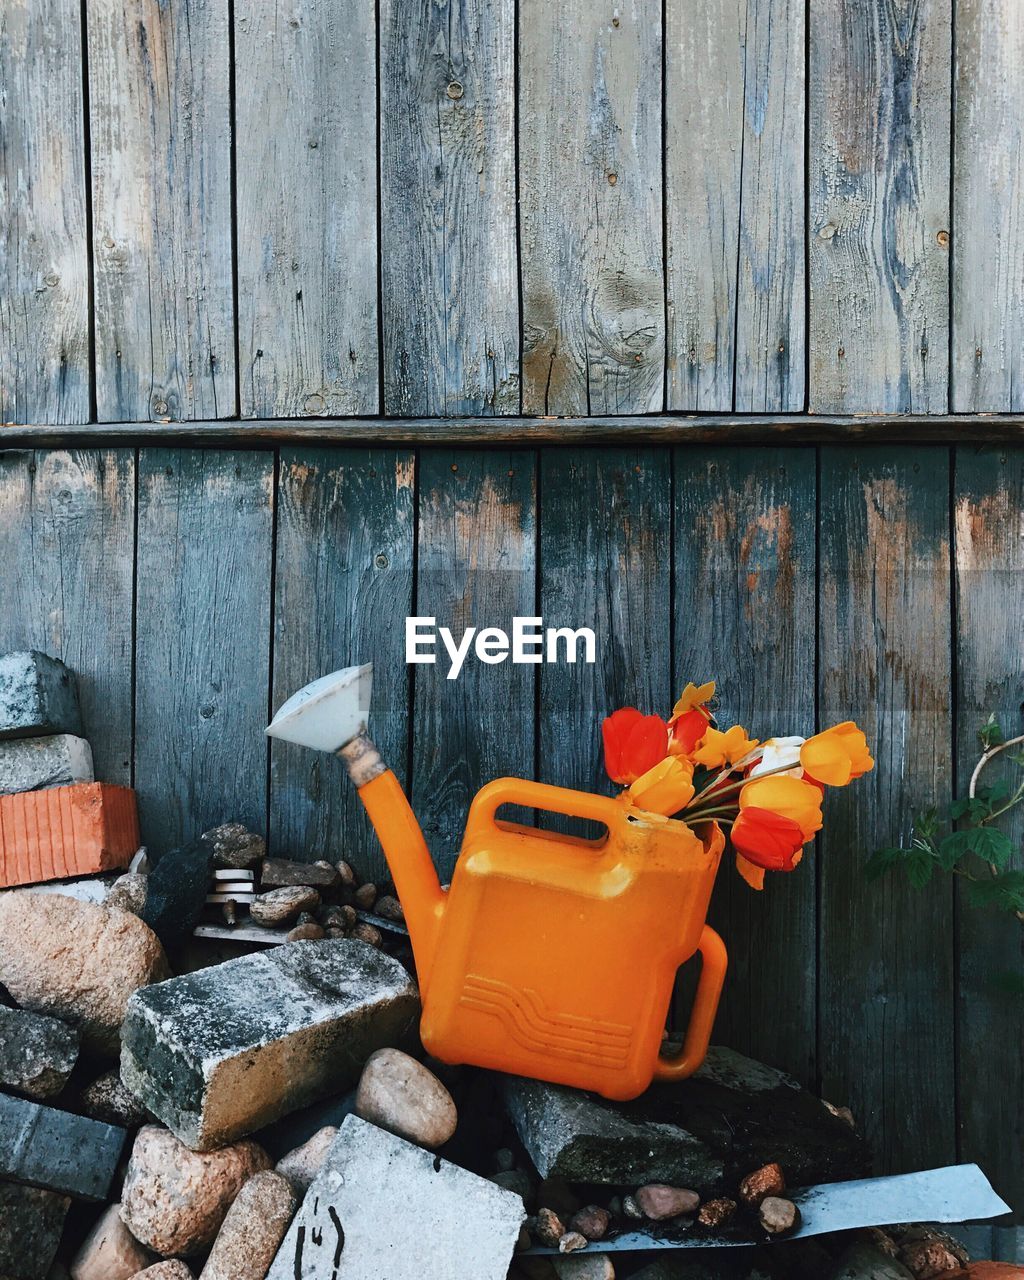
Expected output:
(128, 893)
(367, 933)
(308, 931)
(592, 1221)
(174, 1200)
(769, 1180)
(301, 1165)
(348, 876)
(109, 1251)
(281, 905)
(631, 1209)
(658, 1201)
(253, 1229)
(778, 1216)
(174, 1269)
(549, 1228)
(389, 908)
(366, 896)
(716, 1213)
(572, 1242)
(590, 1266)
(399, 1094)
(79, 961)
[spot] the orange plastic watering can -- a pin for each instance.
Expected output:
(550, 956)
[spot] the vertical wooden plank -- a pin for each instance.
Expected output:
(590, 180)
(344, 583)
(448, 207)
(734, 191)
(987, 373)
(306, 112)
(879, 98)
(44, 265)
(161, 183)
(67, 529)
(745, 616)
(476, 567)
(886, 950)
(605, 533)
(989, 498)
(202, 640)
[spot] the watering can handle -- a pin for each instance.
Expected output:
(702, 1017)
(541, 795)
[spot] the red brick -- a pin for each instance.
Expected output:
(66, 831)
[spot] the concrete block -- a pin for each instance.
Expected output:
(31, 1223)
(221, 1052)
(57, 1151)
(37, 1053)
(381, 1207)
(66, 831)
(38, 695)
(731, 1116)
(33, 764)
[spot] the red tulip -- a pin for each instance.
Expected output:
(767, 839)
(633, 743)
(688, 729)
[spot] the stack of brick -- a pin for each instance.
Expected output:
(56, 821)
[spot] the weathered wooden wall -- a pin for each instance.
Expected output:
(194, 590)
(445, 207)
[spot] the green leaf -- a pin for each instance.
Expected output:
(991, 733)
(952, 849)
(973, 808)
(1005, 892)
(883, 860)
(919, 869)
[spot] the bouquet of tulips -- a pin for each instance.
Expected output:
(766, 795)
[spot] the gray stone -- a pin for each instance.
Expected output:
(109, 1251)
(176, 891)
(37, 1053)
(57, 1151)
(302, 1165)
(31, 1223)
(281, 905)
(38, 695)
(277, 873)
(174, 1200)
(233, 845)
(253, 1229)
(33, 764)
(706, 1133)
(224, 1051)
(378, 1197)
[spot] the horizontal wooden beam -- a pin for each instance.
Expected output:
(666, 429)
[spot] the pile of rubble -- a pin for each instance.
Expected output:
(269, 1112)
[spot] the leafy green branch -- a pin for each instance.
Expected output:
(960, 838)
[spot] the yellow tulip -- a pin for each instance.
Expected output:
(715, 748)
(694, 695)
(666, 788)
(789, 797)
(836, 756)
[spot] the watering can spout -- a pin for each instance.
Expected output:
(330, 715)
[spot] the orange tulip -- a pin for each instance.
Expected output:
(687, 730)
(666, 788)
(836, 756)
(786, 797)
(716, 747)
(633, 743)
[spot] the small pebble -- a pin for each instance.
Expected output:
(333, 931)
(309, 932)
(281, 905)
(390, 909)
(234, 846)
(615, 1206)
(778, 1216)
(591, 1221)
(550, 1228)
(766, 1181)
(128, 893)
(630, 1207)
(525, 1240)
(658, 1201)
(572, 1242)
(337, 917)
(716, 1213)
(367, 933)
(366, 896)
(348, 876)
